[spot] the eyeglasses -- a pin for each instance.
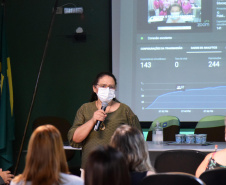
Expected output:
(106, 86)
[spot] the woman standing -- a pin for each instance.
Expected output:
(82, 133)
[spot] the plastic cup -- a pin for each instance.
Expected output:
(198, 139)
(179, 138)
(204, 136)
(190, 138)
(183, 138)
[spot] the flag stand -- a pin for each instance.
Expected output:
(36, 85)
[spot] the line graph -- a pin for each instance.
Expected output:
(203, 98)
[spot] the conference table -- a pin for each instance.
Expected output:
(169, 145)
(155, 150)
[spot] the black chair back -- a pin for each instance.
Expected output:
(213, 133)
(171, 179)
(214, 177)
(179, 161)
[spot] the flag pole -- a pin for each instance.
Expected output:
(36, 85)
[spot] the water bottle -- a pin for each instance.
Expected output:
(157, 134)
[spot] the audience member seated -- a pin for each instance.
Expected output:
(130, 141)
(5, 177)
(213, 160)
(45, 161)
(106, 166)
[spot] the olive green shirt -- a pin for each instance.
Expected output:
(123, 115)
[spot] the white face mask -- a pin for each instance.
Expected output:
(105, 94)
(175, 15)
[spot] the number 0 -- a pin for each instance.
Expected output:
(176, 64)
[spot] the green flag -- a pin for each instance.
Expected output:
(6, 103)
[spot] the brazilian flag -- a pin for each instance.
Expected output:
(6, 103)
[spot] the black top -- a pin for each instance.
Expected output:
(1, 181)
(136, 177)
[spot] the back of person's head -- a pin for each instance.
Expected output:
(106, 166)
(45, 157)
(130, 141)
(95, 82)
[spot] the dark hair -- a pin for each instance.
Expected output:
(106, 166)
(175, 4)
(100, 75)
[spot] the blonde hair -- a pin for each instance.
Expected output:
(130, 142)
(45, 157)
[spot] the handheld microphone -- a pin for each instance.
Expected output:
(97, 125)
